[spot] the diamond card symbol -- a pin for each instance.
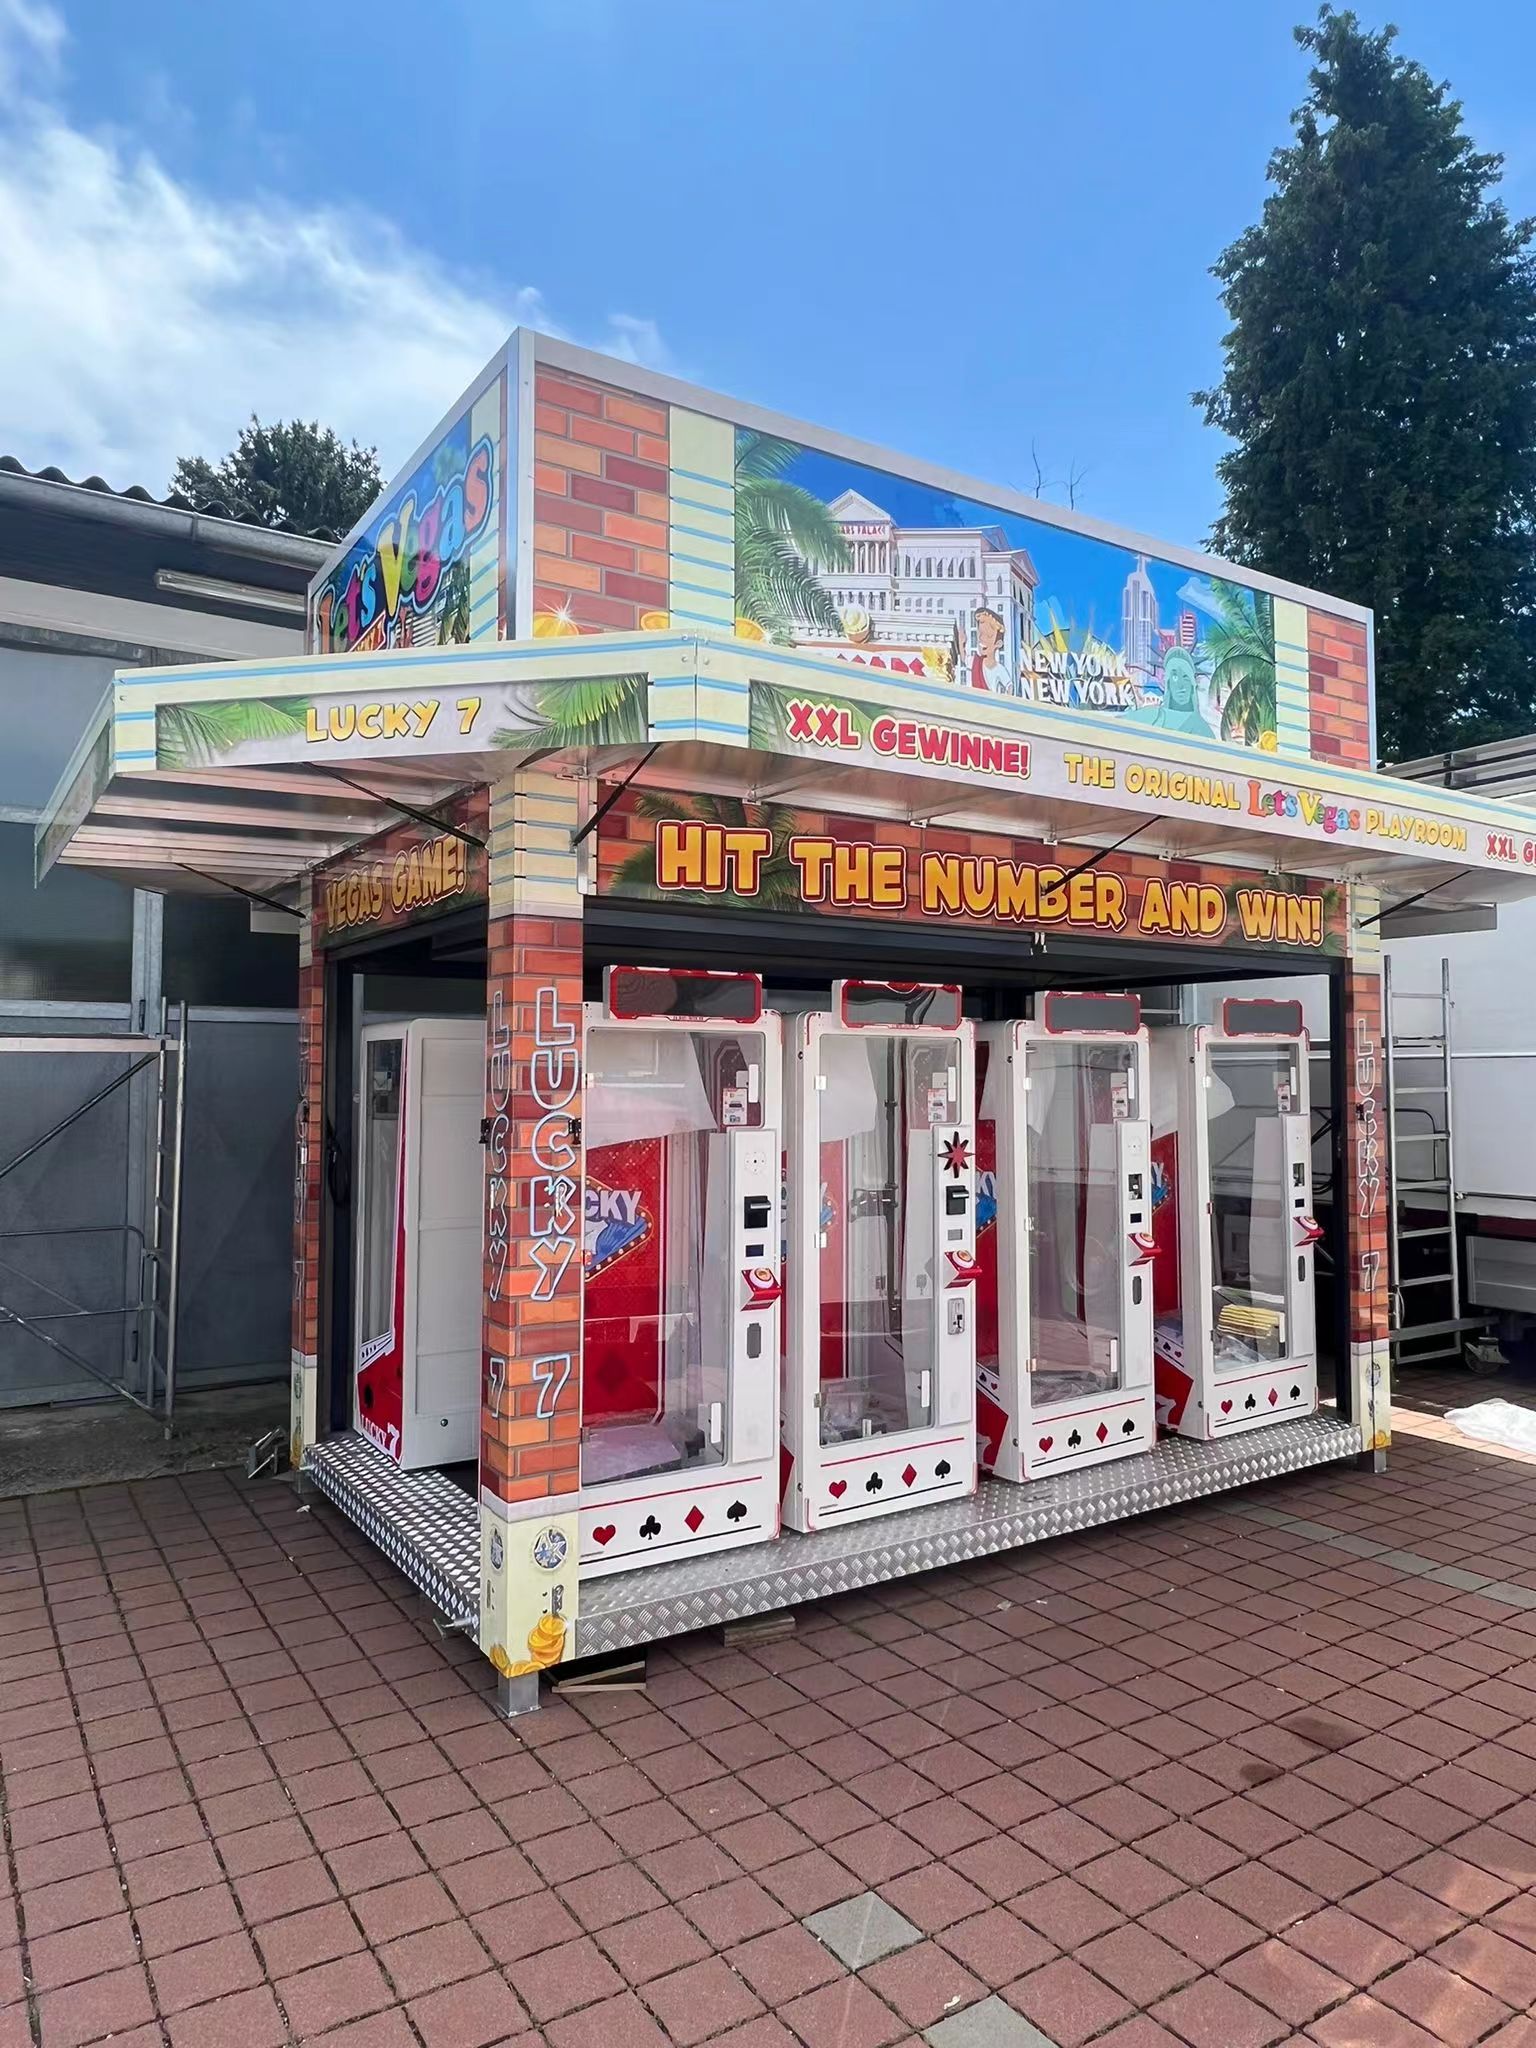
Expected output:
(1102, 1431)
(694, 1518)
(908, 1474)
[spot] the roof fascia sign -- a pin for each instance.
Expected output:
(602, 695)
(566, 493)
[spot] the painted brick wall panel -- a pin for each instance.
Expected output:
(602, 479)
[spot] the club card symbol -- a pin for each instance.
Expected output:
(1295, 1393)
(1128, 1427)
(838, 1488)
(605, 1534)
(873, 1483)
(957, 1154)
(908, 1474)
(736, 1511)
(498, 1551)
(615, 1221)
(1074, 1439)
(650, 1528)
(1252, 1401)
(694, 1518)
(943, 1469)
(549, 1549)
(1046, 1442)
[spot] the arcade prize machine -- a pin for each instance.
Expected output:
(880, 1365)
(1064, 1243)
(680, 1268)
(1235, 1321)
(416, 1373)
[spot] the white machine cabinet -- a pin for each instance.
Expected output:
(880, 1365)
(681, 1275)
(1064, 1238)
(418, 1206)
(1232, 1170)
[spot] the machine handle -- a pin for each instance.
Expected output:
(764, 1286)
(963, 1269)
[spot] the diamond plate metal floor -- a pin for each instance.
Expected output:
(429, 1528)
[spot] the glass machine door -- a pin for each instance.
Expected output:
(1237, 1343)
(378, 1396)
(882, 1201)
(680, 1277)
(1068, 1375)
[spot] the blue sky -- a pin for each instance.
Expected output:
(957, 231)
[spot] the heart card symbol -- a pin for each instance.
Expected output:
(605, 1534)
(873, 1483)
(650, 1527)
(1226, 1407)
(838, 1488)
(943, 1469)
(1128, 1427)
(736, 1511)
(1046, 1442)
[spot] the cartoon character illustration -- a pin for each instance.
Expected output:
(986, 1201)
(989, 671)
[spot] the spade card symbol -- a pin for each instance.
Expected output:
(650, 1527)
(1128, 1427)
(873, 1483)
(1074, 1439)
(942, 1469)
(736, 1510)
(1295, 1393)
(1252, 1401)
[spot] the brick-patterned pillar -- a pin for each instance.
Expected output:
(1367, 1190)
(309, 1157)
(1339, 673)
(531, 1398)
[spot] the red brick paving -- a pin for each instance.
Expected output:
(1192, 1782)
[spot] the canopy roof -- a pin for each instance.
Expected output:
(250, 773)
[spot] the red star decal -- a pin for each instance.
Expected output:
(957, 1154)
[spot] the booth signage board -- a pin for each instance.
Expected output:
(768, 857)
(400, 877)
(427, 566)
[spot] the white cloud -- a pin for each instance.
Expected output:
(141, 319)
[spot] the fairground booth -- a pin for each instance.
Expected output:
(840, 1007)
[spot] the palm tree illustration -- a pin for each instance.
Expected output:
(1240, 644)
(778, 879)
(596, 711)
(784, 534)
(453, 614)
(195, 735)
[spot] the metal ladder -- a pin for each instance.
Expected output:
(1428, 1320)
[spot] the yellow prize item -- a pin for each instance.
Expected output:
(655, 622)
(749, 629)
(546, 1646)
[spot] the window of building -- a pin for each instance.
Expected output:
(70, 941)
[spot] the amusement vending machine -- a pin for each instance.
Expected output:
(416, 1376)
(680, 1268)
(1064, 1241)
(1232, 1189)
(880, 1363)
